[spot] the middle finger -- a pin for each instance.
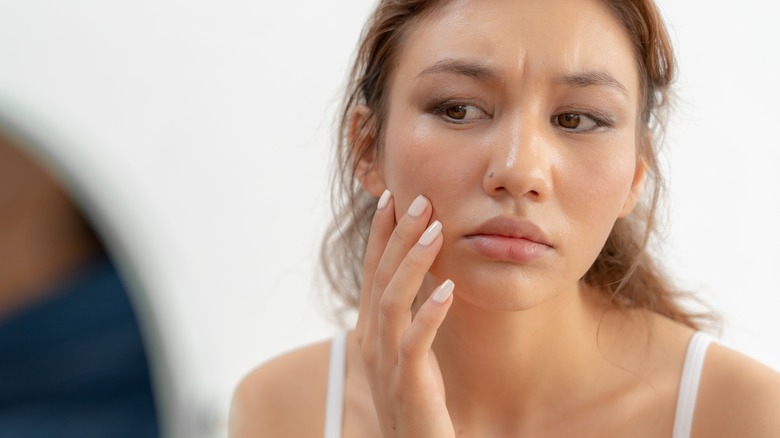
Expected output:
(396, 305)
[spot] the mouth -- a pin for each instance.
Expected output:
(508, 239)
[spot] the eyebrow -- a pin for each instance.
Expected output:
(591, 78)
(460, 67)
(483, 72)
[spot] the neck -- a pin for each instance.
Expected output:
(525, 364)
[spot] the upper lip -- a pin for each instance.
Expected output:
(511, 227)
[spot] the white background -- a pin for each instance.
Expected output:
(201, 132)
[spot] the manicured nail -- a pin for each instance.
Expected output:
(383, 200)
(443, 292)
(430, 234)
(418, 206)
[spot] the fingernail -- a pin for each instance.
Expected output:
(383, 200)
(430, 234)
(418, 206)
(443, 292)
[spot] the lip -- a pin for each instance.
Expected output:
(508, 239)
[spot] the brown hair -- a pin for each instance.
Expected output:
(625, 269)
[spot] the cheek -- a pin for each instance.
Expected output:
(598, 188)
(591, 201)
(416, 160)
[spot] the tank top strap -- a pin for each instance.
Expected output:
(689, 384)
(334, 403)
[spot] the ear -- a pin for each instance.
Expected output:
(363, 151)
(637, 186)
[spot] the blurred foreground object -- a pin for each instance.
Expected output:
(72, 359)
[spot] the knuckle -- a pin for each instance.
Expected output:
(401, 236)
(427, 322)
(410, 264)
(406, 350)
(381, 280)
(387, 307)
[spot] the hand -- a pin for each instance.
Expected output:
(405, 379)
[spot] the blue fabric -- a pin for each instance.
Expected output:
(74, 365)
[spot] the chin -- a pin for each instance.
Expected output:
(513, 291)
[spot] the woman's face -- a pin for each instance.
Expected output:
(518, 120)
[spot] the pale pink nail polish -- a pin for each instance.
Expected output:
(443, 292)
(383, 200)
(418, 206)
(430, 234)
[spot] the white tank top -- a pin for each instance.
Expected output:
(683, 418)
(334, 403)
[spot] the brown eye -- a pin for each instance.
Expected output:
(568, 120)
(459, 113)
(456, 112)
(577, 122)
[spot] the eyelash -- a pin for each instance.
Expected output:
(440, 109)
(599, 121)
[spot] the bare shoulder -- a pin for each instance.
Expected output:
(738, 396)
(271, 400)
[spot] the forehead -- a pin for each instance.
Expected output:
(523, 39)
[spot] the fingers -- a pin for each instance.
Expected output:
(395, 303)
(405, 268)
(396, 349)
(381, 229)
(403, 238)
(395, 264)
(418, 339)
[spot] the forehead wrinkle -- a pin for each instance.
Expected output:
(590, 78)
(462, 67)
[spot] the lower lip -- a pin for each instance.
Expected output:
(511, 249)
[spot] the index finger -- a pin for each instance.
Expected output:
(381, 229)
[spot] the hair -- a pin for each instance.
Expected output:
(625, 269)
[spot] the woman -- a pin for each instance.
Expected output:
(500, 155)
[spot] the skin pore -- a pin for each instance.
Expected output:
(517, 121)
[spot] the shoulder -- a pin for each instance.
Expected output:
(738, 396)
(272, 399)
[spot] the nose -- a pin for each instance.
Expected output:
(521, 160)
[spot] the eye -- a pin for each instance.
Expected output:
(575, 122)
(461, 113)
